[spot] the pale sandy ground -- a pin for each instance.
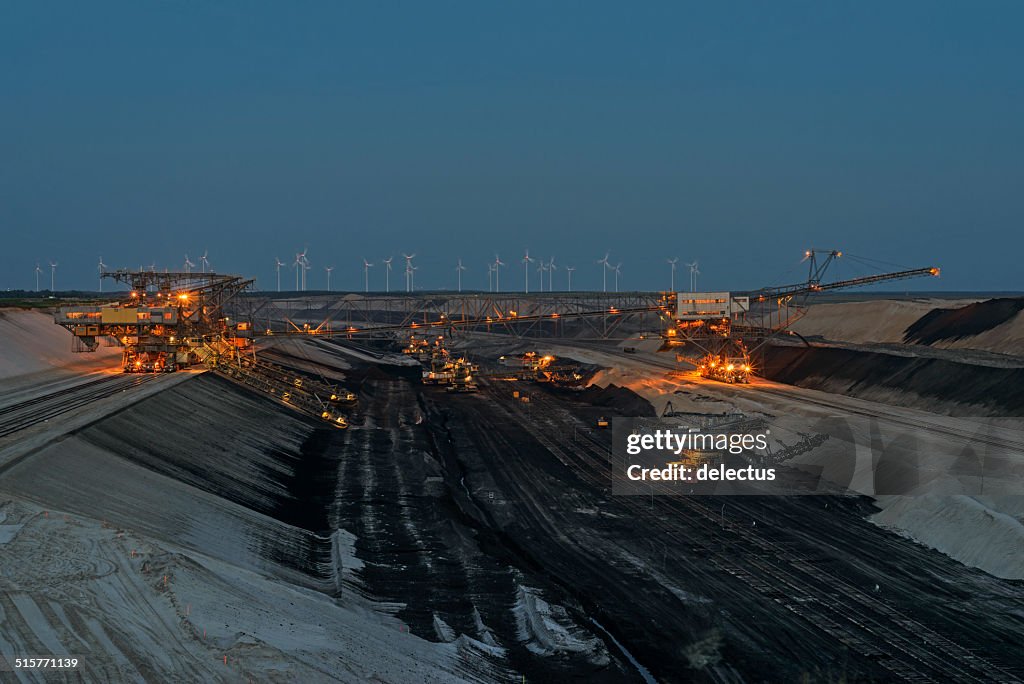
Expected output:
(130, 608)
(74, 585)
(881, 320)
(36, 350)
(886, 320)
(83, 572)
(983, 531)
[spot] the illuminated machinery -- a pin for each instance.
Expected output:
(170, 320)
(534, 367)
(462, 376)
(438, 366)
(166, 320)
(718, 332)
(418, 347)
(316, 398)
(548, 368)
(444, 368)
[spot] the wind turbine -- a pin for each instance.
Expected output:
(408, 270)
(693, 276)
(188, 264)
(490, 276)
(366, 275)
(38, 271)
(618, 270)
(551, 275)
(604, 271)
(569, 270)
(672, 263)
(204, 261)
(387, 273)
(459, 268)
(542, 268)
(304, 263)
(53, 271)
(100, 269)
(498, 263)
(328, 269)
(526, 271)
(279, 264)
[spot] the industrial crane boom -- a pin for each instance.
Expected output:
(790, 291)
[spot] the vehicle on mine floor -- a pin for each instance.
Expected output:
(462, 377)
(336, 421)
(148, 362)
(730, 369)
(342, 396)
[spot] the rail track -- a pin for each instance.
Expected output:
(24, 414)
(866, 624)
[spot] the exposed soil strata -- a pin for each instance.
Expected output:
(625, 401)
(461, 535)
(934, 384)
(443, 575)
(954, 324)
(688, 598)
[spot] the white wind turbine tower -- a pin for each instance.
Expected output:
(490, 276)
(693, 276)
(53, 271)
(304, 262)
(526, 271)
(387, 273)
(498, 263)
(188, 264)
(542, 268)
(408, 270)
(366, 275)
(100, 268)
(604, 271)
(204, 261)
(459, 268)
(618, 270)
(38, 271)
(672, 263)
(297, 264)
(569, 270)
(328, 269)
(279, 264)
(551, 275)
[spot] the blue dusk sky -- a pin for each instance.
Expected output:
(736, 134)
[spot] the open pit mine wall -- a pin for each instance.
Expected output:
(934, 384)
(945, 384)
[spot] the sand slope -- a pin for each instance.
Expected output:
(885, 321)
(34, 344)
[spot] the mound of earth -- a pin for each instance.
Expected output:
(933, 384)
(622, 399)
(953, 324)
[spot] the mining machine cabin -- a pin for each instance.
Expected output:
(164, 322)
